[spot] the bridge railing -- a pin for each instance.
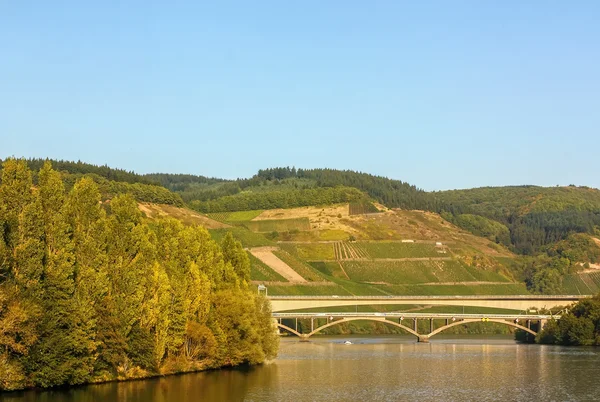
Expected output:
(491, 297)
(533, 317)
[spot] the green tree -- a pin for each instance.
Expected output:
(234, 254)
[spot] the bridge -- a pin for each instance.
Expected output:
(518, 303)
(409, 321)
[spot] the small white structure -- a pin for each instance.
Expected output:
(408, 241)
(438, 244)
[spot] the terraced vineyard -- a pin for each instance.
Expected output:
(260, 271)
(278, 225)
(330, 268)
(246, 237)
(407, 272)
(359, 208)
(394, 249)
(310, 251)
(234, 217)
(375, 265)
(349, 251)
(303, 269)
(582, 283)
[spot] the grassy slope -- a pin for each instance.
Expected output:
(473, 260)
(187, 216)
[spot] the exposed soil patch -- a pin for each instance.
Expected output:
(331, 217)
(265, 254)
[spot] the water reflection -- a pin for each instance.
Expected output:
(393, 368)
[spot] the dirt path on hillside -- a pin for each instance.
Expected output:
(265, 254)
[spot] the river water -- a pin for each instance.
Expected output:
(391, 368)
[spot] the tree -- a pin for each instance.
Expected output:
(234, 254)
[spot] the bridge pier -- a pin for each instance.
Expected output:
(304, 338)
(423, 339)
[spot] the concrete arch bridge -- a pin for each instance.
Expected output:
(409, 321)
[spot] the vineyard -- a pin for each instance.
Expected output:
(310, 251)
(361, 208)
(459, 289)
(246, 237)
(304, 270)
(278, 225)
(385, 249)
(582, 283)
(407, 272)
(330, 268)
(259, 271)
(234, 217)
(349, 251)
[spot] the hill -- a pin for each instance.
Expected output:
(326, 250)
(540, 236)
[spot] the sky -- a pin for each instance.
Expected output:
(441, 94)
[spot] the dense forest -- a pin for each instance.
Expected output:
(279, 199)
(35, 164)
(535, 216)
(90, 291)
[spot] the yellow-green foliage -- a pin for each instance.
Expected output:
(90, 294)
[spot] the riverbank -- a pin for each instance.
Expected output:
(373, 368)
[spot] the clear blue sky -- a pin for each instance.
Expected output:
(444, 94)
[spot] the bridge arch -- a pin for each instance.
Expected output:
(330, 324)
(466, 321)
(293, 331)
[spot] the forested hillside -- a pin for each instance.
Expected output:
(535, 216)
(90, 291)
(531, 221)
(110, 182)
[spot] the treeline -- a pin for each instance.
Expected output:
(580, 325)
(535, 216)
(35, 164)
(391, 193)
(90, 292)
(279, 199)
(111, 182)
(141, 192)
(180, 182)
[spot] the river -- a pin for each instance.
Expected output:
(393, 368)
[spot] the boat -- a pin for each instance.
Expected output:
(347, 343)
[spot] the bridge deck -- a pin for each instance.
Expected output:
(517, 302)
(533, 317)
